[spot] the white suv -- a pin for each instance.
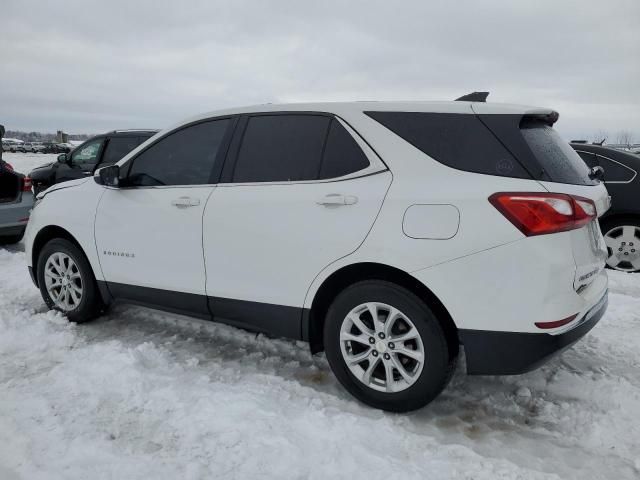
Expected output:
(385, 234)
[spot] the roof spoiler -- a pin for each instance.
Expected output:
(548, 118)
(473, 97)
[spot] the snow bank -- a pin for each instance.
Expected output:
(141, 394)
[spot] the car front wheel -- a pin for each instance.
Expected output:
(66, 281)
(386, 346)
(622, 238)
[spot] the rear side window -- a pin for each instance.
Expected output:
(459, 141)
(554, 155)
(116, 148)
(185, 157)
(281, 148)
(588, 158)
(342, 155)
(615, 171)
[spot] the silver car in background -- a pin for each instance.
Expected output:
(16, 201)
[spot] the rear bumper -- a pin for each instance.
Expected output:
(12, 230)
(512, 353)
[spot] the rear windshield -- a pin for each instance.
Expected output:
(556, 157)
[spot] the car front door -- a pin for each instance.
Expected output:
(81, 161)
(298, 192)
(149, 231)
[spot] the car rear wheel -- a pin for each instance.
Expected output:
(622, 238)
(66, 281)
(386, 347)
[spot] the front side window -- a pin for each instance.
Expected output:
(117, 148)
(185, 157)
(86, 156)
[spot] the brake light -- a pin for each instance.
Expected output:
(26, 184)
(543, 213)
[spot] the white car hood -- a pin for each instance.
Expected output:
(60, 186)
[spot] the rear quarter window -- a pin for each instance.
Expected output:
(460, 141)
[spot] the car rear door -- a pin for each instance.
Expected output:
(298, 192)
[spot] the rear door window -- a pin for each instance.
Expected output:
(279, 148)
(342, 154)
(554, 155)
(588, 158)
(117, 148)
(615, 171)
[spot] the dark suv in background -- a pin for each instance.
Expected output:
(621, 224)
(97, 152)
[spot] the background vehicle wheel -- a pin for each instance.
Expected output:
(66, 281)
(622, 237)
(11, 239)
(386, 347)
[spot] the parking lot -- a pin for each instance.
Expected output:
(143, 394)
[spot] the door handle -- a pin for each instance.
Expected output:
(185, 202)
(337, 199)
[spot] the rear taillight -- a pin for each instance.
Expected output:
(543, 213)
(26, 184)
(9, 166)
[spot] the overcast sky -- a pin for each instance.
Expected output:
(88, 66)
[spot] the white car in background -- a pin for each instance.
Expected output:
(385, 234)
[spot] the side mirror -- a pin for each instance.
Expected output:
(62, 158)
(108, 176)
(597, 173)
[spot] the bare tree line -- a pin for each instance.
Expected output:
(622, 137)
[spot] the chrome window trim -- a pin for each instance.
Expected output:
(635, 174)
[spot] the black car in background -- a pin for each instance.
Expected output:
(97, 152)
(621, 224)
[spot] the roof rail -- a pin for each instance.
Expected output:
(127, 130)
(473, 97)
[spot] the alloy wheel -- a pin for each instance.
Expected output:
(622, 243)
(381, 347)
(63, 281)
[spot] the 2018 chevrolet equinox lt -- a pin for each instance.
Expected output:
(385, 234)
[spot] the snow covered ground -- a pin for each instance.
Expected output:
(25, 162)
(140, 394)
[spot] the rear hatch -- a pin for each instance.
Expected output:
(10, 184)
(558, 168)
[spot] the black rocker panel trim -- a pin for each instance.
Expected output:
(175, 302)
(277, 320)
(511, 353)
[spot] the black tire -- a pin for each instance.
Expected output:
(11, 239)
(437, 369)
(91, 303)
(631, 250)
